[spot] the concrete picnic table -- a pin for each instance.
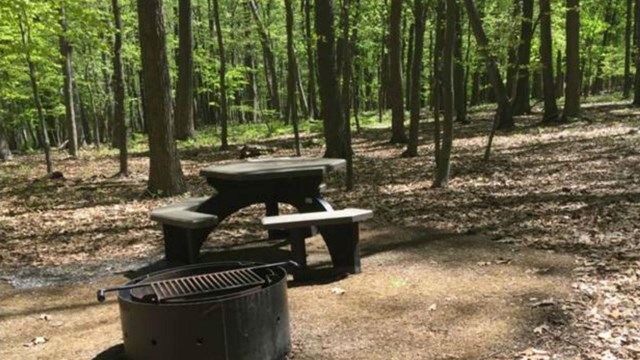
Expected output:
(293, 181)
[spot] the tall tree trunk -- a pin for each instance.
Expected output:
(419, 13)
(185, 127)
(609, 20)
(522, 94)
(572, 88)
(559, 84)
(395, 65)
(626, 89)
(444, 163)
(636, 90)
(332, 114)
(292, 111)
(270, 63)
(165, 173)
(408, 69)
(120, 132)
(311, 67)
(504, 116)
(459, 82)
(67, 72)
(512, 52)
(44, 136)
(347, 70)
(224, 112)
(551, 114)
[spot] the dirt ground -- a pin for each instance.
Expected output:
(533, 255)
(420, 295)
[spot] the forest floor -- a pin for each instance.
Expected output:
(532, 255)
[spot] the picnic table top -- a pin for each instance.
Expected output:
(273, 168)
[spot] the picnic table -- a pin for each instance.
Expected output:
(293, 181)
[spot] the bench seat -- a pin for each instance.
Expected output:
(340, 232)
(184, 218)
(319, 218)
(184, 228)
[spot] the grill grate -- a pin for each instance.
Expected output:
(204, 284)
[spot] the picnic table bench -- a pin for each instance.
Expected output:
(341, 227)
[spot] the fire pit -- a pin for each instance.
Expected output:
(224, 310)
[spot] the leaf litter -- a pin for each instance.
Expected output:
(573, 189)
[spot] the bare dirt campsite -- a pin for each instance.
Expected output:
(532, 255)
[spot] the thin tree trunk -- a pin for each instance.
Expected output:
(395, 65)
(120, 132)
(311, 68)
(504, 116)
(165, 173)
(415, 79)
(627, 51)
(551, 114)
(409, 58)
(572, 88)
(609, 20)
(67, 72)
(224, 113)
(559, 75)
(185, 127)
(270, 63)
(347, 69)
(459, 78)
(332, 114)
(522, 93)
(292, 111)
(44, 137)
(444, 164)
(636, 90)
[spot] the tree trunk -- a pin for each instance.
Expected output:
(459, 82)
(395, 69)
(504, 116)
(292, 111)
(415, 79)
(347, 70)
(609, 20)
(636, 90)
(444, 164)
(185, 127)
(626, 89)
(67, 72)
(44, 137)
(331, 108)
(224, 113)
(120, 132)
(165, 173)
(5, 152)
(550, 107)
(409, 58)
(270, 63)
(572, 88)
(521, 99)
(559, 84)
(311, 67)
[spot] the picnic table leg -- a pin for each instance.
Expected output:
(183, 245)
(342, 242)
(272, 210)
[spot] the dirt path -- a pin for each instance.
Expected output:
(421, 295)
